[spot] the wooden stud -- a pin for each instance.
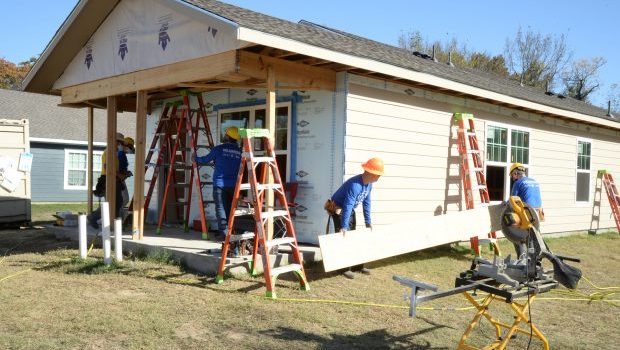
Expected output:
(89, 161)
(111, 168)
(140, 141)
(169, 75)
(270, 109)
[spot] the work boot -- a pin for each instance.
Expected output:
(349, 274)
(365, 271)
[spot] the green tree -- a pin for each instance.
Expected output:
(581, 78)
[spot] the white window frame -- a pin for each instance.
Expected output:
(66, 186)
(506, 165)
(589, 171)
(252, 111)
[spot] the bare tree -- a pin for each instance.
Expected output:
(581, 79)
(534, 59)
(614, 97)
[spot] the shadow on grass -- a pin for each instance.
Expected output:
(376, 339)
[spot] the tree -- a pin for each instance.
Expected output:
(581, 79)
(12, 75)
(534, 59)
(614, 97)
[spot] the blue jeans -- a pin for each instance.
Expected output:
(223, 196)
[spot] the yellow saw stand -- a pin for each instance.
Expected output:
(501, 343)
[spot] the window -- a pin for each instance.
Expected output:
(254, 117)
(505, 145)
(584, 153)
(76, 163)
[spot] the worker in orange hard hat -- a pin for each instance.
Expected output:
(341, 206)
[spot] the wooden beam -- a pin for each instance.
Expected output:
(111, 169)
(270, 109)
(216, 86)
(89, 176)
(287, 72)
(232, 77)
(137, 231)
(153, 78)
(363, 245)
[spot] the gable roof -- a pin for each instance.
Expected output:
(340, 41)
(324, 43)
(50, 121)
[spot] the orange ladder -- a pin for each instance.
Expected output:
(613, 195)
(180, 159)
(256, 206)
(472, 168)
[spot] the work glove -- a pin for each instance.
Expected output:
(344, 232)
(369, 226)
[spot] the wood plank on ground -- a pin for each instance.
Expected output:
(362, 245)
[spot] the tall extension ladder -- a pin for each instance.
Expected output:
(472, 169)
(613, 195)
(257, 194)
(179, 125)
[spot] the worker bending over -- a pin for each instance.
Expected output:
(227, 159)
(356, 190)
(526, 188)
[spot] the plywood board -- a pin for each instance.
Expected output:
(362, 246)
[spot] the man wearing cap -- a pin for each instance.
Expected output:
(227, 159)
(525, 188)
(121, 173)
(356, 190)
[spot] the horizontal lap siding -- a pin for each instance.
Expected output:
(414, 138)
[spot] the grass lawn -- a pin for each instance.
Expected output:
(42, 213)
(52, 300)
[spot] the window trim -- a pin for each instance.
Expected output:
(252, 110)
(66, 186)
(509, 128)
(589, 171)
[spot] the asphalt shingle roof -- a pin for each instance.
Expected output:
(354, 45)
(48, 120)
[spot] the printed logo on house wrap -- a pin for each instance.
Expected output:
(123, 47)
(164, 38)
(88, 59)
(301, 173)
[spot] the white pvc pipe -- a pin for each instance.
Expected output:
(105, 233)
(82, 235)
(118, 239)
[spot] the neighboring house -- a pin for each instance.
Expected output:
(341, 99)
(58, 142)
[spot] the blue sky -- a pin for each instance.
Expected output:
(591, 27)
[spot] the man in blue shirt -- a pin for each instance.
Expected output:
(356, 190)
(525, 187)
(227, 158)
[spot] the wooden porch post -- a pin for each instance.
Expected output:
(110, 191)
(138, 187)
(271, 126)
(89, 161)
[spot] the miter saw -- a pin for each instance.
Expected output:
(520, 225)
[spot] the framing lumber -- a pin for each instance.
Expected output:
(110, 183)
(89, 161)
(203, 68)
(137, 229)
(363, 245)
(286, 72)
(270, 108)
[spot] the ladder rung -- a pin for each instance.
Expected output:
(243, 211)
(164, 119)
(479, 187)
(284, 269)
(478, 169)
(473, 151)
(470, 133)
(203, 146)
(273, 214)
(208, 202)
(182, 165)
(180, 203)
(260, 186)
(263, 160)
(182, 184)
(279, 241)
(241, 237)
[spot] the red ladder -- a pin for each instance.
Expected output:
(180, 155)
(472, 168)
(613, 195)
(257, 193)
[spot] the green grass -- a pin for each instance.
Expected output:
(57, 301)
(42, 213)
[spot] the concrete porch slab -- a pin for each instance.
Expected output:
(202, 256)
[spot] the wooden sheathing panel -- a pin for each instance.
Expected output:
(160, 77)
(286, 72)
(401, 237)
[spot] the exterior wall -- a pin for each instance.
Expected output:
(411, 130)
(48, 171)
(316, 143)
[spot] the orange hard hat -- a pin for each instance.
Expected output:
(374, 166)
